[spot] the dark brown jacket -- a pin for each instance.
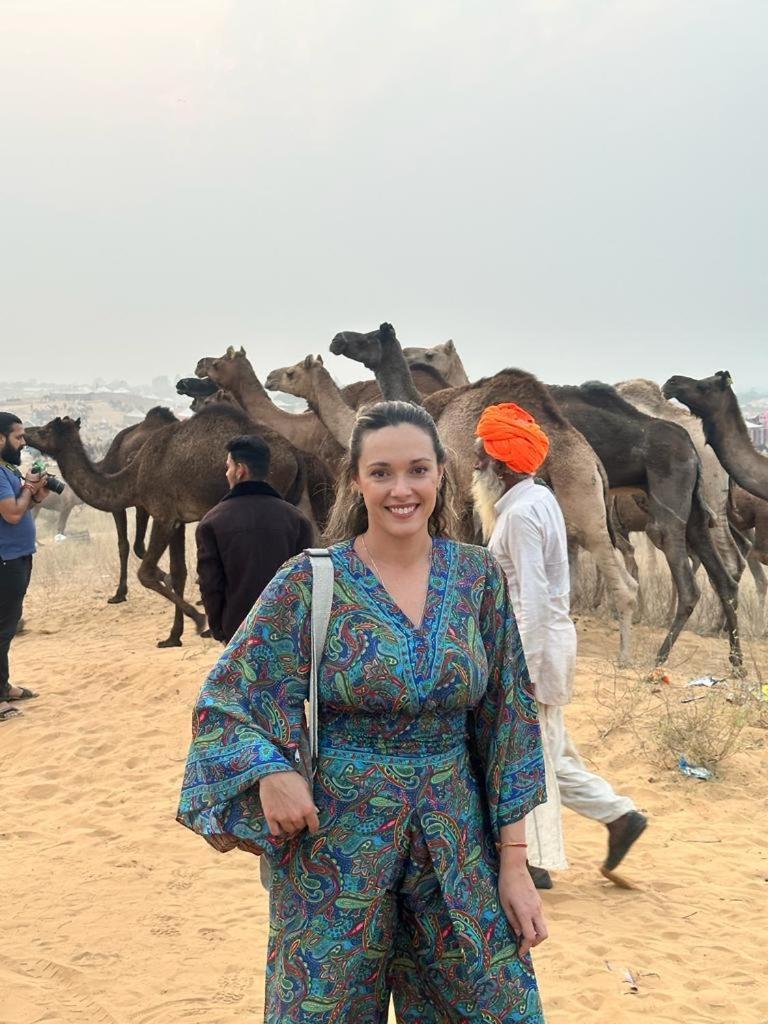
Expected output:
(241, 543)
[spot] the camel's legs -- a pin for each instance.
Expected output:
(586, 521)
(121, 525)
(666, 528)
(61, 524)
(726, 588)
(178, 575)
(160, 537)
(142, 521)
(761, 585)
(744, 541)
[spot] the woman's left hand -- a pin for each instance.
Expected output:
(521, 904)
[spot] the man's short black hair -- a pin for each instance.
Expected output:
(253, 451)
(7, 420)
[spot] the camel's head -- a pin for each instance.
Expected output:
(225, 370)
(703, 397)
(442, 358)
(294, 380)
(54, 437)
(364, 348)
(196, 387)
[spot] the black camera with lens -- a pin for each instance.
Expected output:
(52, 483)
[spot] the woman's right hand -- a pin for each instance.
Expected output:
(287, 804)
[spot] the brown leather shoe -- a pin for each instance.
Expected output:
(622, 834)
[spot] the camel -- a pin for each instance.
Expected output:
(713, 401)
(177, 475)
(62, 505)
(394, 379)
(748, 516)
(233, 372)
(641, 451)
(443, 358)
(572, 468)
(122, 450)
(647, 396)
(310, 380)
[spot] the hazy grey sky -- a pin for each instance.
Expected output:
(572, 186)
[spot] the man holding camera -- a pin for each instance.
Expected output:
(17, 545)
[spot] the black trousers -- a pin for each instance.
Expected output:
(14, 580)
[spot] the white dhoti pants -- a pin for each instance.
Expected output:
(570, 784)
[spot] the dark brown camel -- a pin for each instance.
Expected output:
(394, 379)
(177, 475)
(120, 453)
(713, 401)
(658, 457)
(572, 467)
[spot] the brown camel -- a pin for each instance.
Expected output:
(658, 457)
(310, 380)
(122, 451)
(443, 358)
(647, 396)
(233, 372)
(177, 475)
(713, 401)
(572, 468)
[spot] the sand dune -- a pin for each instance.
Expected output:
(113, 913)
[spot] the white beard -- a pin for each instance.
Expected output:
(486, 491)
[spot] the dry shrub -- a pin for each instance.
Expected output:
(705, 726)
(705, 729)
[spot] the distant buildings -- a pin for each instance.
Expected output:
(758, 431)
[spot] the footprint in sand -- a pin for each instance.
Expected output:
(166, 925)
(182, 880)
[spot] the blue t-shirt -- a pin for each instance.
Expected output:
(16, 539)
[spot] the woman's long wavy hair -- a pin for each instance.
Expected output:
(349, 516)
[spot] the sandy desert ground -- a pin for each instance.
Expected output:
(113, 914)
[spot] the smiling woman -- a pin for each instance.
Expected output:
(403, 870)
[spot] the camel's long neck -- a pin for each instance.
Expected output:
(733, 446)
(302, 429)
(394, 376)
(458, 373)
(108, 492)
(326, 401)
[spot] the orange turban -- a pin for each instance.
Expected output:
(511, 435)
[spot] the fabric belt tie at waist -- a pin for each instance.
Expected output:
(376, 753)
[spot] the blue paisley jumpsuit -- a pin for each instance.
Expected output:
(429, 744)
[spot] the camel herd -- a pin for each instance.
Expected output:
(622, 458)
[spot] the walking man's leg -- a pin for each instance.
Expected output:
(591, 795)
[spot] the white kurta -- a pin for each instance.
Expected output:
(529, 540)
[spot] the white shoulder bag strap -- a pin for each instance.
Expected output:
(322, 597)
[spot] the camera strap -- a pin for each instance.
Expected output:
(14, 469)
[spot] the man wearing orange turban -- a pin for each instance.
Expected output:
(512, 436)
(525, 530)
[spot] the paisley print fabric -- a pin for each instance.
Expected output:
(429, 744)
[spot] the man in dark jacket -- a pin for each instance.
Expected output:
(243, 541)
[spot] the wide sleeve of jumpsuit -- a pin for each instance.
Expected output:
(506, 726)
(249, 716)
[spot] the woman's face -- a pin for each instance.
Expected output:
(398, 477)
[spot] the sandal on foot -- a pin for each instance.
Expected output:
(8, 713)
(24, 695)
